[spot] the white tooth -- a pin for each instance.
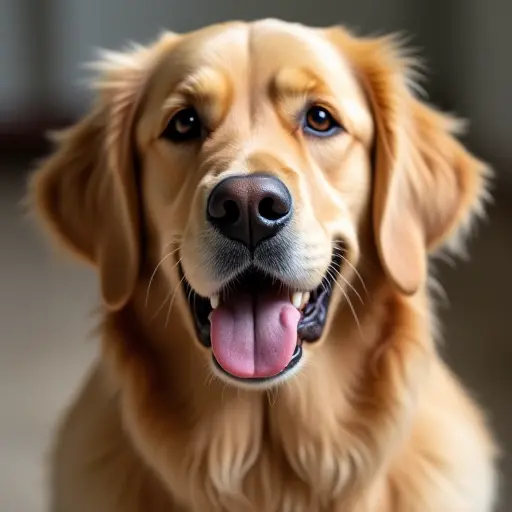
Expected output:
(297, 299)
(214, 301)
(305, 299)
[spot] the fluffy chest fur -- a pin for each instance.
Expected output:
(295, 448)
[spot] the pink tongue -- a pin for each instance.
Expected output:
(254, 336)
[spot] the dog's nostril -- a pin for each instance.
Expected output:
(231, 211)
(270, 209)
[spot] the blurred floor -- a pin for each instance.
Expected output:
(44, 350)
(43, 346)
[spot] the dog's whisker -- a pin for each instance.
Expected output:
(168, 296)
(173, 241)
(354, 313)
(357, 273)
(164, 302)
(168, 255)
(339, 252)
(176, 288)
(349, 302)
(333, 272)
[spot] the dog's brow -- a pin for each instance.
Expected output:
(204, 86)
(291, 83)
(207, 89)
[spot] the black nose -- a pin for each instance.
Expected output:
(250, 208)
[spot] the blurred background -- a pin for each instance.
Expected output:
(45, 346)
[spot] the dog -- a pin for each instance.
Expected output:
(261, 201)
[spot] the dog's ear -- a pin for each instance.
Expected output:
(426, 184)
(87, 191)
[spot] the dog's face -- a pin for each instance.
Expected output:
(265, 153)
(256, 158)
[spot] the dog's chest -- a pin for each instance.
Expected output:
(281, 474)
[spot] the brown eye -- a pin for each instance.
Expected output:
(185, 125)
(319, 121)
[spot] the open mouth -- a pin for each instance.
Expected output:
(256, 325)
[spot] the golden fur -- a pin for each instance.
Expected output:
(373, 421)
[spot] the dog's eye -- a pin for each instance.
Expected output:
(319, 121)
(185, 125)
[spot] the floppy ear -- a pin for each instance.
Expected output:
(426, 184)
(87, 190)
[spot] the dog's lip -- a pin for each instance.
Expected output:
(295, 360)
(310, 327)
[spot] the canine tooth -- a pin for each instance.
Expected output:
(214, 301)
(305, 299)
(297, 299)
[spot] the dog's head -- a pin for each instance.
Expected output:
(254, 162)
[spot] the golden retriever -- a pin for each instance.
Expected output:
(260, 201)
